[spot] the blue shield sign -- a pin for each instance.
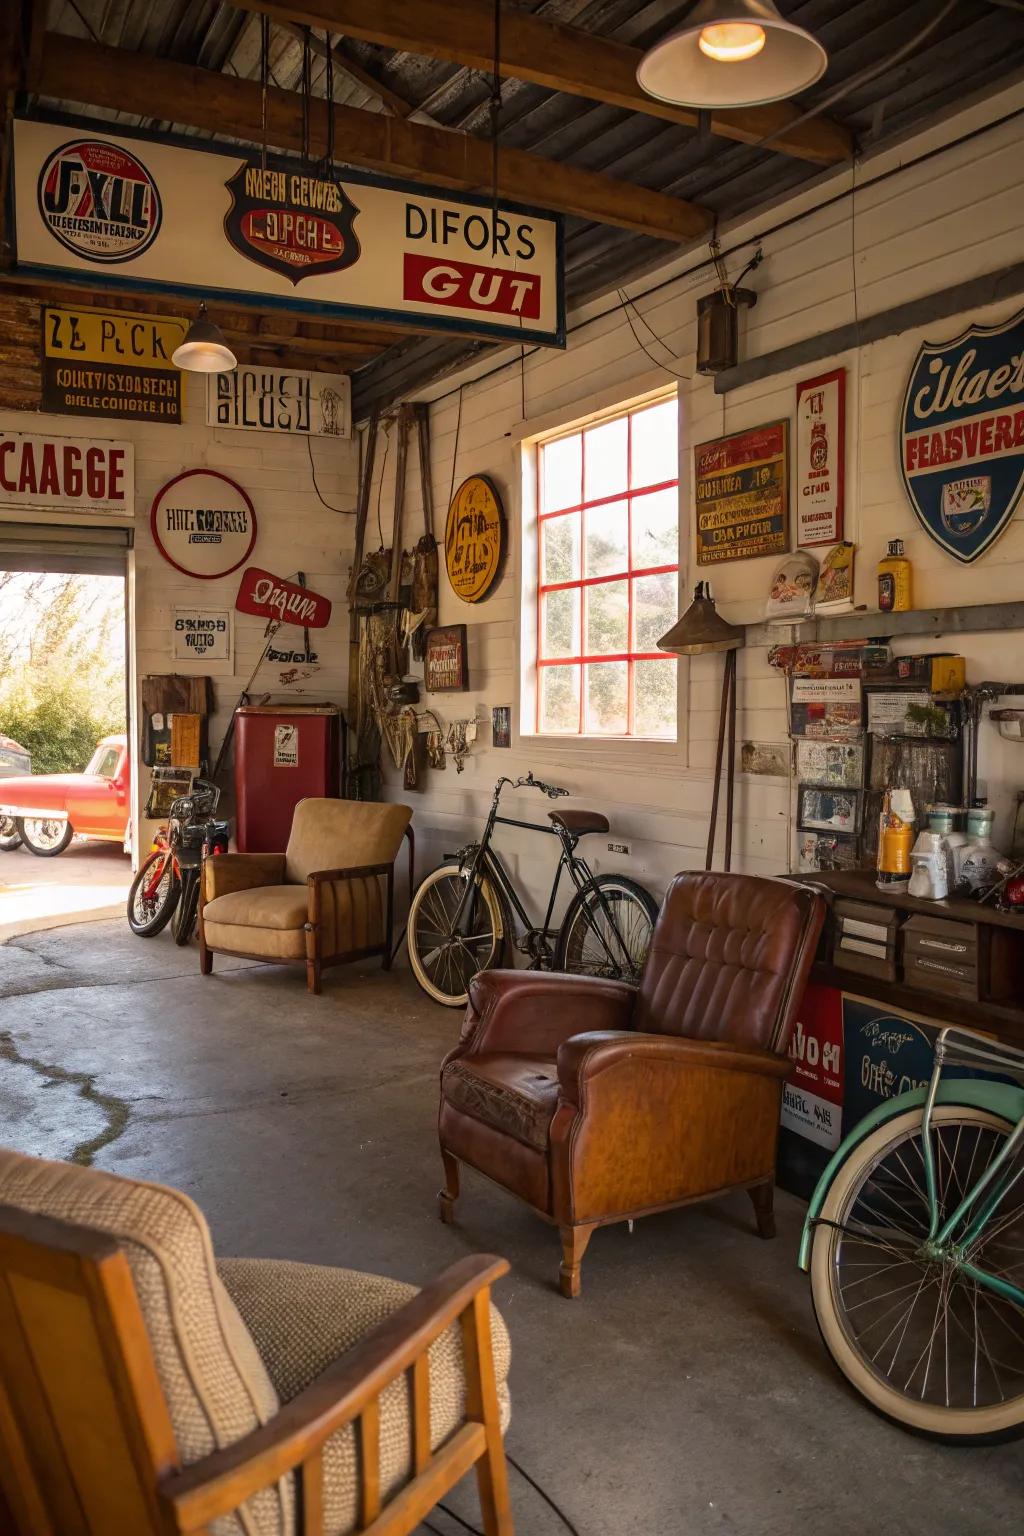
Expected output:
(962, 449)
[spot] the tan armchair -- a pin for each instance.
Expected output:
(147, 1389)
(328, 899)
(595, 1102)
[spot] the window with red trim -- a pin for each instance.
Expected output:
(608, 547)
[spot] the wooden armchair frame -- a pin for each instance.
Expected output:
(86, 1442)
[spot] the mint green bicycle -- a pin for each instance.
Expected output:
(915, 1245)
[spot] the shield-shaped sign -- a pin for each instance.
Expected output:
(291, 222)
(962, 451)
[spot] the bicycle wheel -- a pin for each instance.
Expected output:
(445, 961)
(43, 836)
(183, 923)
(150, 910)
(607, 929)
(919, 1339)
(10, 837)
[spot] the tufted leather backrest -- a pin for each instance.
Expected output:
(729, 959)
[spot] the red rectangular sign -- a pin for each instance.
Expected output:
(270, 597)
(464, 285)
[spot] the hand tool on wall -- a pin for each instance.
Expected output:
(424, 580)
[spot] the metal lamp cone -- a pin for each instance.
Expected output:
(701, 628)
(204, 349)
(681, 69)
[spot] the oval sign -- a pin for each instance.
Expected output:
(203, 523)
(474, 538)
(99, 201)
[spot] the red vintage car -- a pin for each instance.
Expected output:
(48, 809)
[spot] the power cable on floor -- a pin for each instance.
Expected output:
(542, 1492)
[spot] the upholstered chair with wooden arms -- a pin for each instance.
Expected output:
(146, 1390)
(596, 1102)
(328, 899)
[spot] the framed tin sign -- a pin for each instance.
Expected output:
(962, 436)
(474, 538)
(820, 458)
(110, 362)
(201, 634)
(741, 485)
(292, 400)
(203, 523)
(445, 668)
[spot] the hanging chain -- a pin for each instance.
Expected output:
(495, 125)
(329, 93)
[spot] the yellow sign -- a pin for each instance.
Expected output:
(474, 538)
(106, 362)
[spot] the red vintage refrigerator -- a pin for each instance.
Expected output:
(282, 755)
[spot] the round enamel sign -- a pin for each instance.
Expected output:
(99, 201)
(203, 523)
(474, 538)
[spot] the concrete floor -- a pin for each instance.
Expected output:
(88, 880)
(686, 1392)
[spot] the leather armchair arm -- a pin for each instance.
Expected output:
(226, 872)
(532, 1012)
(584, 1057)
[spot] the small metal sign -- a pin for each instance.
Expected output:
(741, 483)
(962, 450)
(474, 538)
(280, 400)
(203, 523)
(270, 597)
(107, 362)
(820, 458)
(295, 224)
(445, 669)
(201, 634)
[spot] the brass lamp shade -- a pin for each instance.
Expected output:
(701, 628)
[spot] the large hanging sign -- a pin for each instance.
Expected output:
(203, 524)
(67, 474)
(741, 483)
(107, 362)
(216, 221)
(280, 400)
(963, 436)
(474, 538)
(820, 458)
(271, 597)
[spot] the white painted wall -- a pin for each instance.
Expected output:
(957, 215)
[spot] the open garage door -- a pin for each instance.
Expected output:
(64, 550)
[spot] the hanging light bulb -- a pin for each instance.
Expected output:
(204, 349)
(732, 53)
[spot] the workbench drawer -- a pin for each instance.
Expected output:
(932, 972)
(864, 938)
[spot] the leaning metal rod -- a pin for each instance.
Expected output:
(726, 720)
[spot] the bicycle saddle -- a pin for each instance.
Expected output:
(579, 822)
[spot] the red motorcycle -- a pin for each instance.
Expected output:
(166, 888)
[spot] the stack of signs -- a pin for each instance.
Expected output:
(827, 722)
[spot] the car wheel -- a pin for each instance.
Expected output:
(10, 837)
(44, 836)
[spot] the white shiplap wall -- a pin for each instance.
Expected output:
(957, 215)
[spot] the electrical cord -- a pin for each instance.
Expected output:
(346, 511)
(537, 1488)
(627, 306)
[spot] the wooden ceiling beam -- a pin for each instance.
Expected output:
(96, 75)
(551, 54)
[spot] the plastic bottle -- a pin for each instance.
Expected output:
(894, 584)
(895, 837)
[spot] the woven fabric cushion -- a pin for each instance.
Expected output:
(514, 1094)
(343, 834)
(303, 1316)
(261, 906)
(216, 1386)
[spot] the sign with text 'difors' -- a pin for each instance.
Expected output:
(110, 207)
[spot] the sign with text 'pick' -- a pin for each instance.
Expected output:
(270, 597)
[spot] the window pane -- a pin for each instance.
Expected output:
(655, 455)
(654, 698)
(656, 529)
(560, 635)
(561, 473)
(561, 539)
(654, 608)
(607, 532)
(606, 698)
(560, 699)
(607, 618)
(606, 457)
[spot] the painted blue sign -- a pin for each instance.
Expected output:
(963, 436)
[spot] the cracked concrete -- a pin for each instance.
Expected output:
(686, 1392)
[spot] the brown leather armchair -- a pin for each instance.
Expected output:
(595, 1102)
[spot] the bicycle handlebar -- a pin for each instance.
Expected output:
(529, 782)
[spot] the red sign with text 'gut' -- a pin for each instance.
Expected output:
(464, 285)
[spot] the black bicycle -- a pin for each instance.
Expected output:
(464, 914)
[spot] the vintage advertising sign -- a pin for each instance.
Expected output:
(201, 634)
(812, 1103)
(962, 450)
(820, 458)
(106, 362)
(280, 400)
(885, 1054)
(270, 597)
(204, 524)
(76, 474)
(445, 668)
(741, 483)
(474, 538)
(217, 221)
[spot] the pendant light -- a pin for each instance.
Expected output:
(732, 53)
(204, 349)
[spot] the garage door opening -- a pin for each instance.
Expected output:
(65, 774)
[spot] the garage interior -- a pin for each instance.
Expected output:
(417, 364)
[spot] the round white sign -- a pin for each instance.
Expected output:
(203, 523)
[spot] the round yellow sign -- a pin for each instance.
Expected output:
(474, 538)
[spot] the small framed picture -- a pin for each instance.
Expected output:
(828, 810)
(501, 725)
(445, 666)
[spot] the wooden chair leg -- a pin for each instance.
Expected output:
(482, 1405)
(313, 974)
(763, 1199)
(205, 955)
(574, 1246)
(447, 1196)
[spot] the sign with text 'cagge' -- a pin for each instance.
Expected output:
(68, 474)
(220, 222)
